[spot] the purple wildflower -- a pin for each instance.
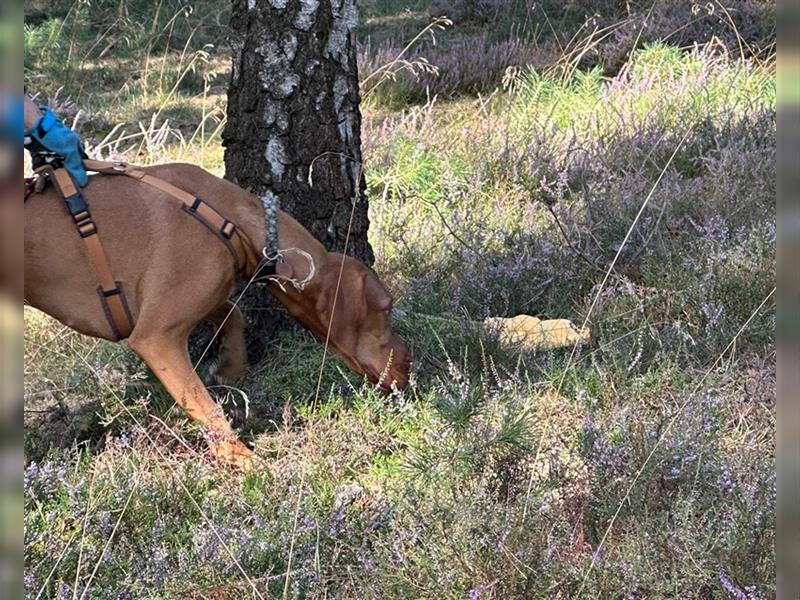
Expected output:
(734, 591)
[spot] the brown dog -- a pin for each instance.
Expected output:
(176, 273)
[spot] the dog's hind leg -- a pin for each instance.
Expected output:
(231, 363)
(168, 357)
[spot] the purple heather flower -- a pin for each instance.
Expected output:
(476, 592)
(734, 591)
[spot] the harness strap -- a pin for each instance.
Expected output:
(224, 229)
(110, 291)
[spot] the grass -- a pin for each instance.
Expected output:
(639, 466)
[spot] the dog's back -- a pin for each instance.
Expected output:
(156, 251)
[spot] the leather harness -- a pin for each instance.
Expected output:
(110, 291)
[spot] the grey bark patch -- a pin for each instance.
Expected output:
(275, 72)
(269, 114)
(289, 46)
(345, 21)
(287, 86)
(282, 120)
(276, 157)
(346, 130)
(306, 15)
(340, 91)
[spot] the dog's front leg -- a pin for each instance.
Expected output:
(168, 357)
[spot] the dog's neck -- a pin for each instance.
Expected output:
(301, 303)
(247, 211)
(292, 236)
(303, 257)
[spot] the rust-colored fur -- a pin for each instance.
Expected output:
(176, 273)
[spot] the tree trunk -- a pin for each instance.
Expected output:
(293, 102)
(294, 127)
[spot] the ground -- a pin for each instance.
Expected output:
(608, 163)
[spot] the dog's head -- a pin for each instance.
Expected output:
(359, 322)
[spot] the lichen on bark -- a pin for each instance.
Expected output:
(304, 19)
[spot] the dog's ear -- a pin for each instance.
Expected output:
(327, 279)
(375, 294)
(350, 305)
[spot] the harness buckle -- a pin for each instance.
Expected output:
(87, 228)
(76, 204)
(227, 229)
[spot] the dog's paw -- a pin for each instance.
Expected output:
(236, 454)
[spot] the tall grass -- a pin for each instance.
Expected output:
(146, 76)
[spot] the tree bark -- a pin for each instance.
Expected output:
(294, 124)
(294, 128)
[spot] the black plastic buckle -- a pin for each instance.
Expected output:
(92, 228)
(196, 204)
(109, 293)
(76, 204)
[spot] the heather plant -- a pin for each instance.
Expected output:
(471, 65)
(744, 28)
(574, 161)
(476, 11)
(455, 494)
(601, 36)
(593, 161)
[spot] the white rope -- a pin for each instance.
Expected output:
(280, 279)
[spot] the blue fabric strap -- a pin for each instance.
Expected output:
(46, 122)
(51, 133)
